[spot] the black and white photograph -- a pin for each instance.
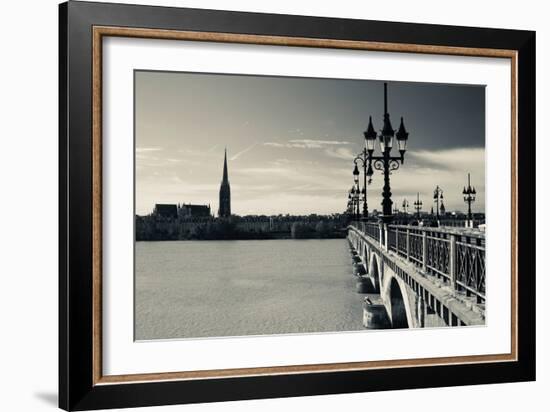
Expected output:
(214, 206)
(269, 205)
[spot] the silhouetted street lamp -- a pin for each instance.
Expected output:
(405, 205)
(386, 163)
(418, 205)
(438, 197)
(349, 209)
(364, 201)
(469, 194)
(367, 177)
(356, 175)
(350, 203)
(360, 195)
(354, 193)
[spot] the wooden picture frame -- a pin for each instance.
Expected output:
(82, 385)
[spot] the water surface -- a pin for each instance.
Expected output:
(190, 289)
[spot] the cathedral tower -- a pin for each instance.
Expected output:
(225, 192)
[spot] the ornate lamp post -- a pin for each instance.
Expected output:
(367, 177)
(354, 193)
(417, 205)
(349, 209)
(469, 194)
(364, 201)
(386, 162)
(357, 190)
(405, 205)
(438, 197)
(351, 202)
(358, 202)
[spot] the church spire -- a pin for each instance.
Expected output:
(225, 191)
(225, 178)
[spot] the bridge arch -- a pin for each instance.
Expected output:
(397, 304)
(366, 256)
(375, 272)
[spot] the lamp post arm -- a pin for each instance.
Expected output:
(394, 158)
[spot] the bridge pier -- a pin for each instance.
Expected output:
(364, 285)
(359, 269)
(421, 312)
(375, 315)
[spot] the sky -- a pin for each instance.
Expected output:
(291, 141)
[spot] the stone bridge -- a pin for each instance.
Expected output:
(417, 277)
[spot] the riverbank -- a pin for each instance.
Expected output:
(253, 236)
(151, 228)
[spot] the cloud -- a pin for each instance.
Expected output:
(236, 156)
(299, 184)
(148, 149)
(195, 153)
(450, 159)
(304, 203)
(281, 171)
(423, 170)
(340, 153)
(317, 143)
(306, 143)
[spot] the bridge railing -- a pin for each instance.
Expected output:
(456, 256)
(460, 223)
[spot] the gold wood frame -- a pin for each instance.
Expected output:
(101, 31)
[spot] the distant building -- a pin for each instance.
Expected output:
(181, 211)
(225, 192)
(185, 211)
(166, 211)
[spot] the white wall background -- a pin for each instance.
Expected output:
(28, 203)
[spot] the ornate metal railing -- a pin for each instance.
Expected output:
(416, 246)
(456, 256)
(438, 254)
(373, 230)
(470, 269)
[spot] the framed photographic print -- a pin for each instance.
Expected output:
(257, 205)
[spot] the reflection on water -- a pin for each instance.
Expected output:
(232, 288)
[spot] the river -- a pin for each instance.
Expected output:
(191, 289)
